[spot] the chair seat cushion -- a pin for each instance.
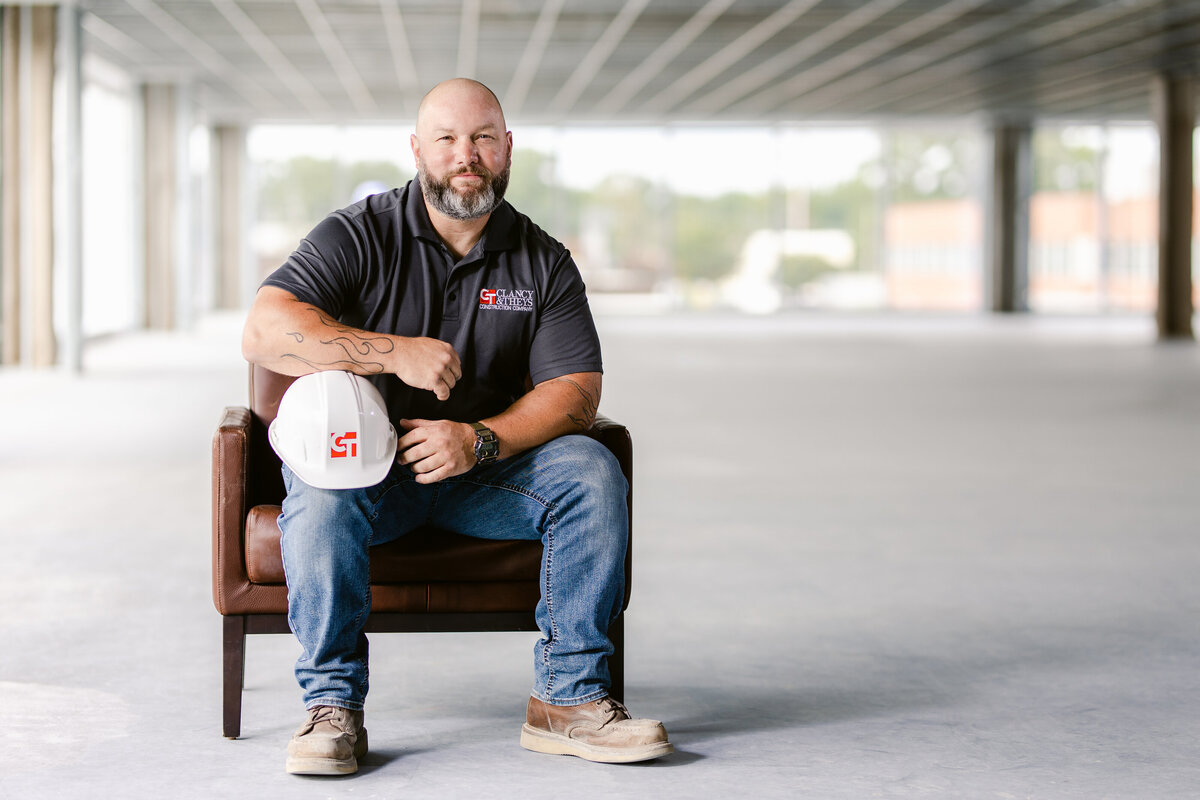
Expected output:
(427, 555)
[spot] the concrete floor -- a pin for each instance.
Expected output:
(876, 557)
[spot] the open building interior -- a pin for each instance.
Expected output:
(894, 551)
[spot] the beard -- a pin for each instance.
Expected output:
(466, 204)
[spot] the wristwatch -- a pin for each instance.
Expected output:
(487, 448)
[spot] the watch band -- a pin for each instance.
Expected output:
(487, 447)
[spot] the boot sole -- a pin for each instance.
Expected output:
(558, 745)
(321, 766)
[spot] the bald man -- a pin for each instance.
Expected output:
(449, 301)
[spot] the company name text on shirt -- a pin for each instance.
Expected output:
(506, 299)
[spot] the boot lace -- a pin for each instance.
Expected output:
(613, 708)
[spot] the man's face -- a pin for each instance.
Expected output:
(462, 152)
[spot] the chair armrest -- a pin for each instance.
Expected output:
(617, 439)
(229, 452)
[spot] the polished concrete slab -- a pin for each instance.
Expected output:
(876, 556)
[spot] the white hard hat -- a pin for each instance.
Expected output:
(333, 432)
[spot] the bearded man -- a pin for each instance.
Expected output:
(449, 300)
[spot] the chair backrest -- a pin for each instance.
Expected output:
(266, 390)
(264, 483)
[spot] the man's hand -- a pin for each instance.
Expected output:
(436, 449)
(428, 364)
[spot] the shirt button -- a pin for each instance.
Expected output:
(453, 296)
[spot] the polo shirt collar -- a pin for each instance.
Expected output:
(498, 234)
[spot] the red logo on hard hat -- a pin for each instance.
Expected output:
(344, 446)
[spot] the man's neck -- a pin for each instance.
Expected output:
(458, 235)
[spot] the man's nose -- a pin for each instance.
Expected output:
(466, 151)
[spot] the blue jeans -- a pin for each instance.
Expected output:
(568, 493)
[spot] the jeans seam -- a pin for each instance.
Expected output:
(550, 676)
(359, 620)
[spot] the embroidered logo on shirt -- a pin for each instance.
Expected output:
(506, 299)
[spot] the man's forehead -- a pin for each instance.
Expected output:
(446, 126)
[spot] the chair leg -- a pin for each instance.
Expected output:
(233, 653)
(616, 662)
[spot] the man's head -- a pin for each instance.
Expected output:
(462, 149)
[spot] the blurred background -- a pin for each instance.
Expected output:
(161, 156)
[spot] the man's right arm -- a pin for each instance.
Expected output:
(291, 337)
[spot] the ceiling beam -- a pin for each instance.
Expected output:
(664, 54)
(1103, 67)
(468, 39)
(343, 67)
(271, 55)
(531, 57)
(591, 63)
(115, 38)
(992, 71)
(776, 93)
(703, 73)
(736, 89)
(908, 65)
(402, 56)
(204, 54)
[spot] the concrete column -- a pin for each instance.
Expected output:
(1008, 229)
(160, 210)
(27, 267)
(41, 187)
(68, 181)
(229, 145)
(10, 186)
(1175, 115)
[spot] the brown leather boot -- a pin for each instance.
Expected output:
(330, 742)
(598, 731)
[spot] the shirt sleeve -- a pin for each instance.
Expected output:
(325, 268)
(565, 340)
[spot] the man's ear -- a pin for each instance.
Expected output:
(415, 144)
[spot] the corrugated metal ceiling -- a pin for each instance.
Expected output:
(646, 61)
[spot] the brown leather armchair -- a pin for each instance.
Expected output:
(427, 581)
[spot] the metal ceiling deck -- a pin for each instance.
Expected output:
(647, 61)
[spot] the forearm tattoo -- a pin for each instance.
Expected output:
(357, 349)
(589, 402)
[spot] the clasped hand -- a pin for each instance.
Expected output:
(436, 449)
(432, 364)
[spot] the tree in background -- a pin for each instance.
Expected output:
(1063, 161)
(302, 190)
(710, 232)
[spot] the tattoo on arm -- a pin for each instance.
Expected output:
(587, 413)
(357, 348)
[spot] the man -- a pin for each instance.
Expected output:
(451, 301)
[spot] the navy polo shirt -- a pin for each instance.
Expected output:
(512, 307)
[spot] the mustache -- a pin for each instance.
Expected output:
(473, 169)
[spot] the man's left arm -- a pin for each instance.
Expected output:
(439, 449)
